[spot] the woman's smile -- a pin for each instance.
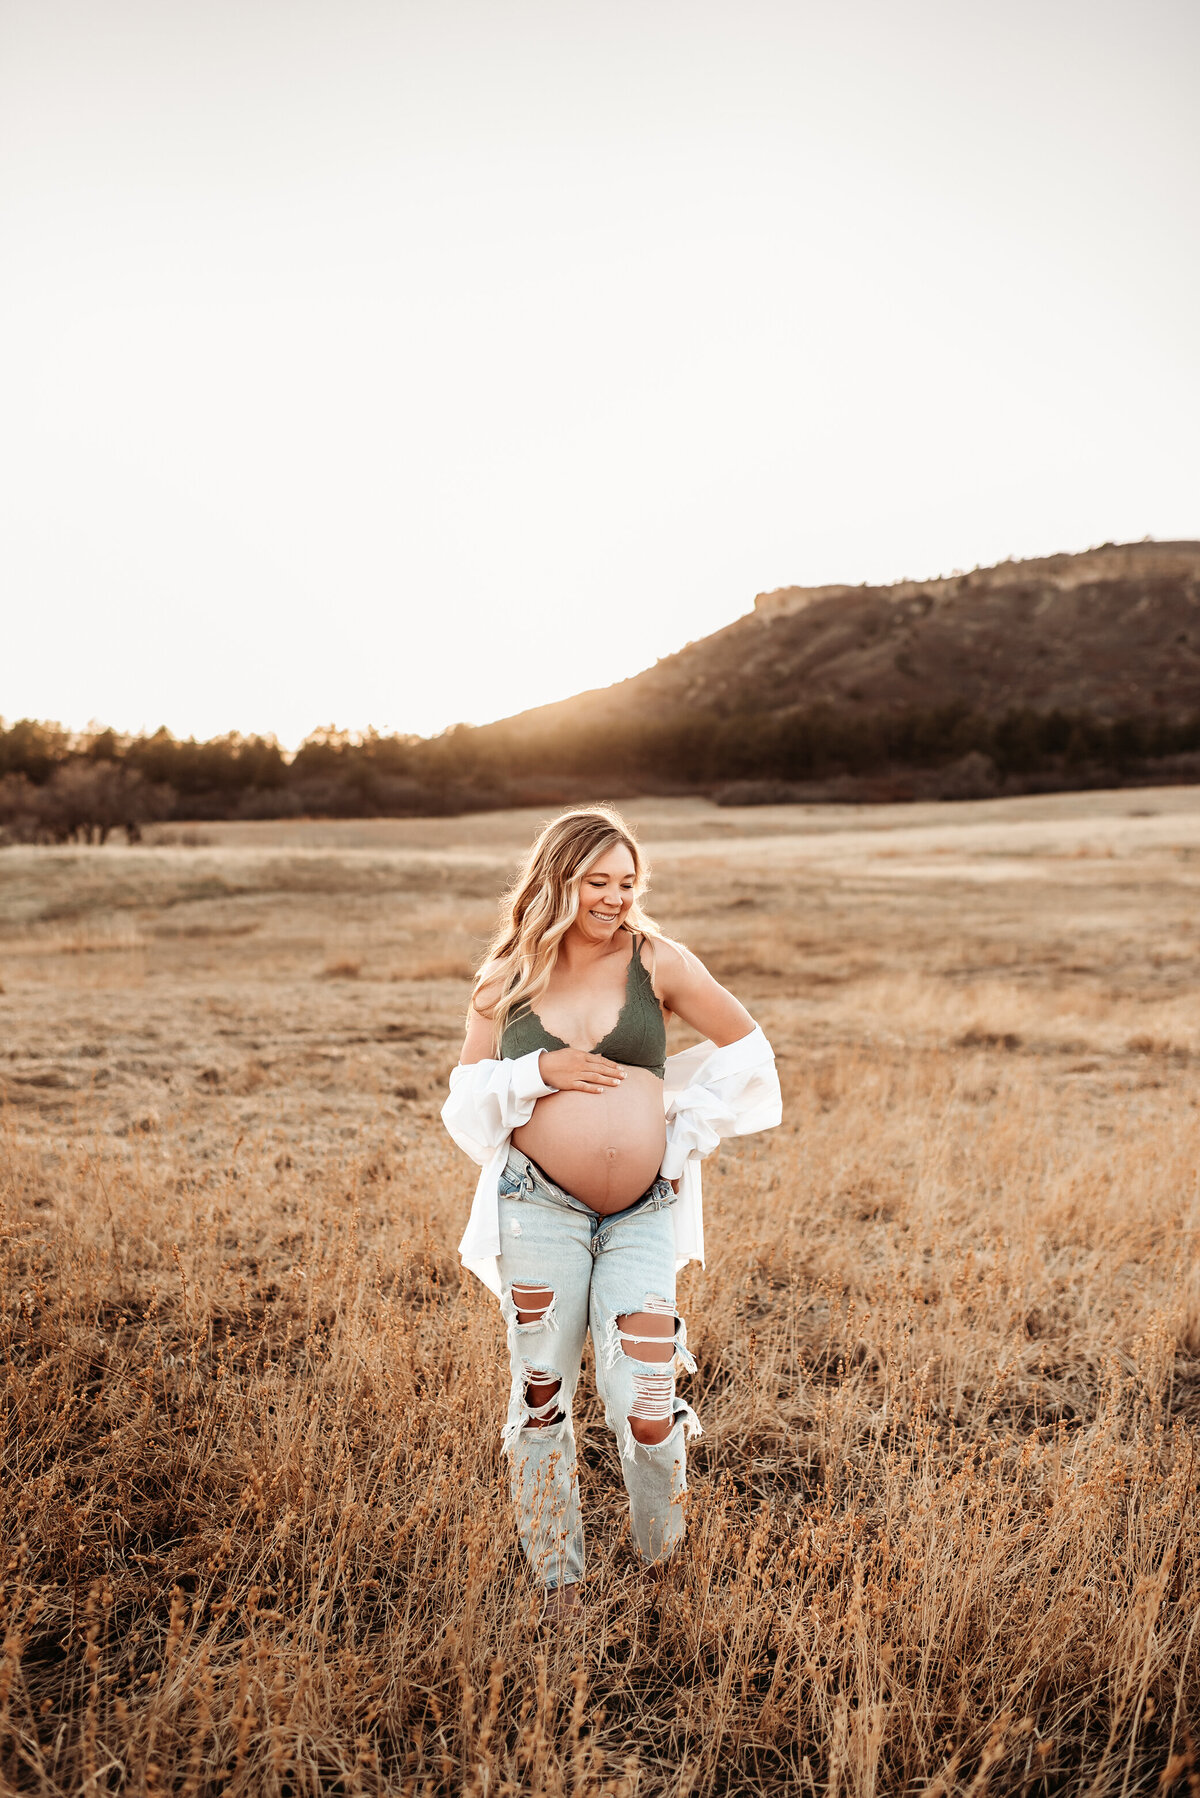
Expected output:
(606, 893)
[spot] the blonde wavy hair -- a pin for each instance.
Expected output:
(541, 904)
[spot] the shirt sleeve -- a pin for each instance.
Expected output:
(489, 1100)
(734, 1092)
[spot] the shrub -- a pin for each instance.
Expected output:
(81, 802)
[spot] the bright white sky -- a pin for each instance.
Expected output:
(395, 362)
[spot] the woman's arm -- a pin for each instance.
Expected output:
(477, 1044)
(685, 986)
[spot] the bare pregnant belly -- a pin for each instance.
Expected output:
(604, 1148)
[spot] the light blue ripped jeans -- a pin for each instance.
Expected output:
(598, 1269)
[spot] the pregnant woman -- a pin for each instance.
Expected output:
(589, 1197)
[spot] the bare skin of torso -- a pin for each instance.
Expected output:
(604, 1148)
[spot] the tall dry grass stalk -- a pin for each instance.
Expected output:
(943, 1531)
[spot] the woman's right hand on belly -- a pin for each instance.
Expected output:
(579, 1070)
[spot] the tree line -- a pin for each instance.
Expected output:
(63, 786)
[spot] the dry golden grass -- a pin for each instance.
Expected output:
(943, 1531)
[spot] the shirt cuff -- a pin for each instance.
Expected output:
(675, 1159)
(527, 1082)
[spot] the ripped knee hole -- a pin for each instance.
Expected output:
(649, 1335)
(534, 1303)
(542, 1387)
(652, 1416)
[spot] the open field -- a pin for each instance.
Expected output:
(944, 1535)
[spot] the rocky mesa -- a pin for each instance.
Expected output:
(1064, 670)
(1113, 632)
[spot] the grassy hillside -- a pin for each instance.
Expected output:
(1073, 668)
(1108, 632)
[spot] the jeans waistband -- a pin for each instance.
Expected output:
(535, 1179)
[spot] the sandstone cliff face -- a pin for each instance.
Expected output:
(1110, 562)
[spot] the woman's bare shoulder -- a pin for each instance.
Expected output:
(666, 951)
(683, 985)
(483, 1001)
(665, 960)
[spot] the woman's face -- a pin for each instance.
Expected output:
(606, 893)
